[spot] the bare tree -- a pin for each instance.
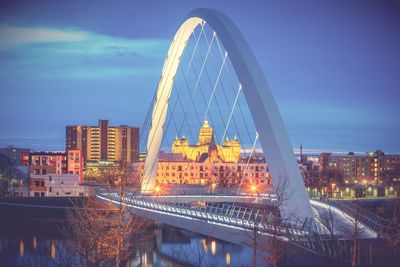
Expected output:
(328, 220)
(355, 232)
(268, 230)
(105, 232)
(10, 176)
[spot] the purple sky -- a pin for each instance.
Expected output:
(333, 66)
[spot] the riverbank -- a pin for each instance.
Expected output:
(31, 208)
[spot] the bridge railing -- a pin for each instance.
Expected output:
(222, 213)
(369, 219)
(298, 232)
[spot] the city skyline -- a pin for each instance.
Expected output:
(61, 66)
(188, 132)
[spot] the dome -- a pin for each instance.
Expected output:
(235, 141)
(205, 134)
(227, 142)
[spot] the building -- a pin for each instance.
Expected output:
(229, 151)
(310, 169)
(20, 156)
(104, 142)
(372, 167)
(213, 164)
(47, 185)
(75, 163)
(42, 163)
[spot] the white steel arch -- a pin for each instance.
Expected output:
(273, 137)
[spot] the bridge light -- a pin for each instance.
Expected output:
(253, 188)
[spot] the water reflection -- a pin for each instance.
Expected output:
(21, 248)
(167, 247)
(213, 247)
(228, 258)
(204, 244)
(34, 242)
(52, 250)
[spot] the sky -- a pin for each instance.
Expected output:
(333, 66)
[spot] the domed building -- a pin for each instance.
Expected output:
(207, 163)
(229, 151)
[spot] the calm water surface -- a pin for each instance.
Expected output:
(39, 243)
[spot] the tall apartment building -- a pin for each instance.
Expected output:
(104, 142)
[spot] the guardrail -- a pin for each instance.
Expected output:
(379, 225)
(303, 234)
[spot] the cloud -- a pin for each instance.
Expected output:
(13, 35)
(76, 41)
(54, 53)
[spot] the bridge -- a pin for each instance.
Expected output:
(211, 76)
(236, 222)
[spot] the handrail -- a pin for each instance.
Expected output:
(304, 234)
(369, 219)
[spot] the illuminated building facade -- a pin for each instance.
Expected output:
(229, 151)
(207, 163)
(75, 163)
(175, 169)
(56, 185)
(372, 167)
(42, 163)
(104, 143)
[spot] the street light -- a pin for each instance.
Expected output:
(157, 189)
